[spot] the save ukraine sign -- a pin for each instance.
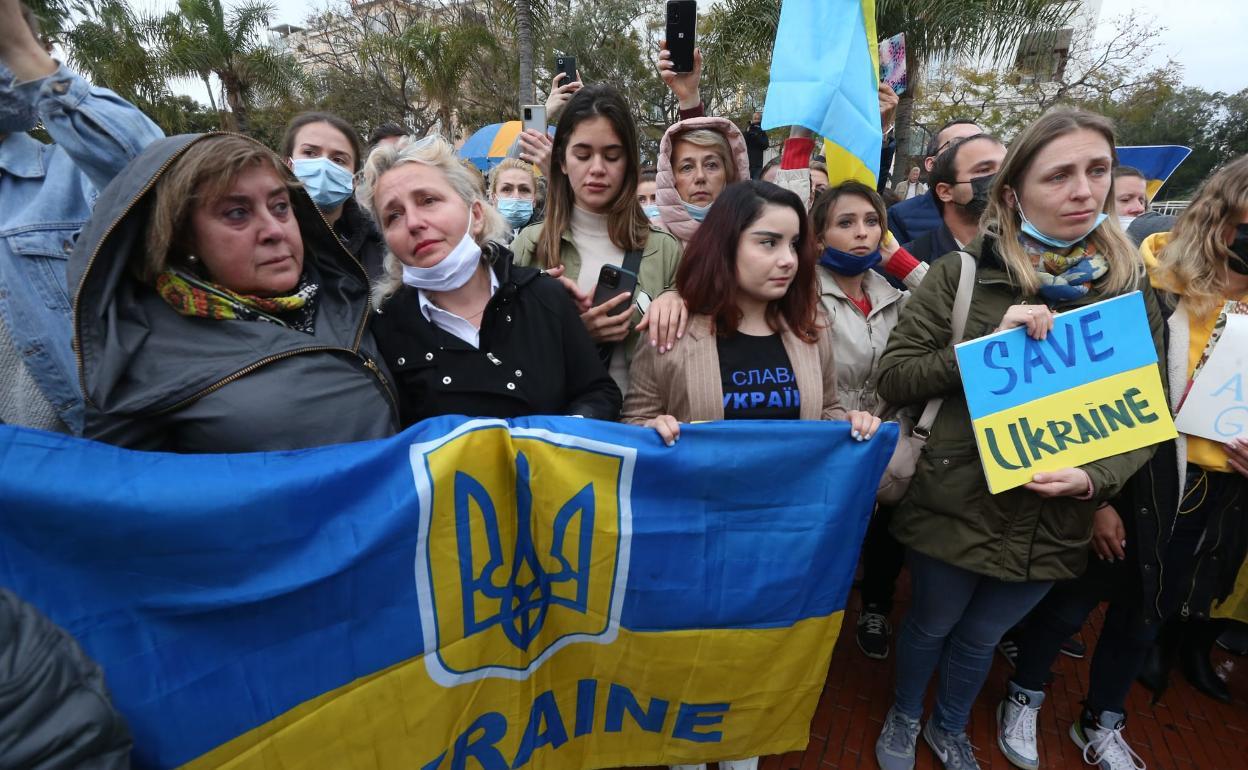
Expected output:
(543, 593)
(1090, 390)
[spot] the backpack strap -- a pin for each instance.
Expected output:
(961, 309)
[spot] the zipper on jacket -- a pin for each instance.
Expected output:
(385, 387)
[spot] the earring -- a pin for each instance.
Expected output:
(192, 258)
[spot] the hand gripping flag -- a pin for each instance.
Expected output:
(544, 593)
(825, 76)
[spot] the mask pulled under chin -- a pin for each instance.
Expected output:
(17, 115)
(1031, 230)
(698, 212)
(846, 263)
(452, 272)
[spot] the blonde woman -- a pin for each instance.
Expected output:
(979, 562)
(1201, 265)
(463, 330)
(513, 192)
(698, 158)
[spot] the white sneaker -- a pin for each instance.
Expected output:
(727, 764)
(1016, 729)
(1103, 745)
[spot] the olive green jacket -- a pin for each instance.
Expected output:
(657, 274)
(948, 512)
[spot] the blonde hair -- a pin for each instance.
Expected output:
(1002, 222)
(434, 152)
(510, 164)
(705, 137)
(202, 174)
(1193, 262)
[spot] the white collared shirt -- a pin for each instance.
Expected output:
(448, 321)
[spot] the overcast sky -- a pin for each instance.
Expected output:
(1206, 37)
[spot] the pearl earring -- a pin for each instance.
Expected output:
(192, 258)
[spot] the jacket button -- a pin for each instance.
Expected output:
(508, 319)
(511, 386)
(519, 373)
(428, 356)
(401, 361)
(446, 380)
(1148, 568)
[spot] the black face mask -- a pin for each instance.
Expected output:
(1239, 247)
(978, 203)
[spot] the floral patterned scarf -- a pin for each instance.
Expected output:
(1065, 277)
(190, 296)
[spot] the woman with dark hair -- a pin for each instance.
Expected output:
(593, 220)
(324, 152)
(749, 280)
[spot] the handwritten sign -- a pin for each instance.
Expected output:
(1090, 390)
(1215, 407)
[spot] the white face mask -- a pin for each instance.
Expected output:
(453, 271)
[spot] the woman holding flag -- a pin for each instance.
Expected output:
(980, 562)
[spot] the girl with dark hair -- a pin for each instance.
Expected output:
(756, 347)
(752, 297)
(593, 220)
(324, 152)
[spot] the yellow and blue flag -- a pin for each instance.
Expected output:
(543, 593)
(825, 70)
(1157, 162)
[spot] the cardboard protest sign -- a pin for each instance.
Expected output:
(1215, 407)
(1090, 390)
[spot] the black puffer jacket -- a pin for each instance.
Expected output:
(157, 380)
(55, 711)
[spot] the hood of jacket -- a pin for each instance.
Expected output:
(671, 208)
(135, 353)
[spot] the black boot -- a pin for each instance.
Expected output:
(1155, 673)
(1194, 658)
(1235, 639)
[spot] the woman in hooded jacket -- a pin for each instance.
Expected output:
(216, 312)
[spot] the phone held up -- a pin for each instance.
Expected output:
(682, 21)
(533, 116)
(612, 282)
(566, 65)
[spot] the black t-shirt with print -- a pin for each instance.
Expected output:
(758, 378)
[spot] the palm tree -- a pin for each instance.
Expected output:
(441, 58)
(201, 38)
(530, 19)
(938, 27)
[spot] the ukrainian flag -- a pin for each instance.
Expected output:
(545, 592)
(825, 71)
(1157, 162)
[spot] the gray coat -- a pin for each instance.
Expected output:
(157, 380)
(55, 711)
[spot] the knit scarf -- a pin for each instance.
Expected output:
(190, 296)
(1064, 277)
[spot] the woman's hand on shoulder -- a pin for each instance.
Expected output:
(665, 319)
(667, 427)
(862, 425)
(1068, 482)
(1036, 319)
(580, 298)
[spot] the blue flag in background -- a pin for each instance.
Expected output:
(1157, 162)
(825, 76)
(544, 592)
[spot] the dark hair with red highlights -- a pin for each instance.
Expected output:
(707, 278)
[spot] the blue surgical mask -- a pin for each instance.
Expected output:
(846, 263)
(652, 211)
(328, 183)
(517, 211)
(1029, 229)
(697, 212)
(17, 114)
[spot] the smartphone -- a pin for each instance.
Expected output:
(612, 282)
(533, 116)
(682, 20)
(566, 65)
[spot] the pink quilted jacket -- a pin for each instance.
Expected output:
(671, 210)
